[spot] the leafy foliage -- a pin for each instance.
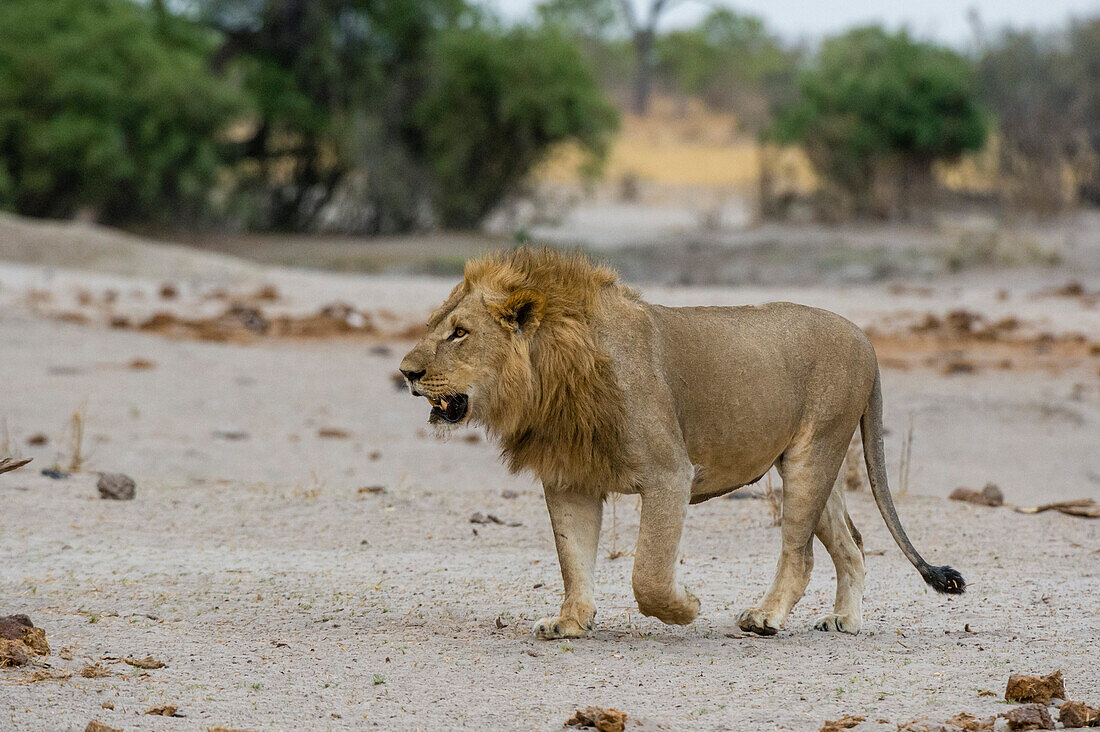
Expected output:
(874, 96)
(731, 61)
(495, 105)
(107, 106)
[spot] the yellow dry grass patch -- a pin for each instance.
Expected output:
(682, 143)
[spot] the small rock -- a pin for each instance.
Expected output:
(20, 628)
(509, 494)
(1039, 689)
(54, 473)
(168, 710)
(846, 722)
(1029, 716)
(969, 723)
(479, 518)
(168, 291)
(14, 653)
(605, 720)
(372, 490)
(146, 663)
(116, 486)
(94, 671)
(95, 726)
(267, 292)
(231, 433)
(1075, 714)
(990, 495)
(333, 433)
(38, 439)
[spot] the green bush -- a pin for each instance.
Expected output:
(876, 101)
(494, 105)
(106, 105)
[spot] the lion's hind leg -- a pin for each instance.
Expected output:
(837, 532)
(808, 471)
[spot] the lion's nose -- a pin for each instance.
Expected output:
(412, 375)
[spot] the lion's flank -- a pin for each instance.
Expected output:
(559, 410)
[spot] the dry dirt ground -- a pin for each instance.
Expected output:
(283, 591)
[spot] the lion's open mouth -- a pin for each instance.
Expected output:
(449, 408)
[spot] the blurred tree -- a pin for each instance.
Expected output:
(494, 106)
(408, 111)
(732, 62)
(104, 108)
(873, 114)
(332, 84)
(606, 20)
(1034, 87)
(1084, 44)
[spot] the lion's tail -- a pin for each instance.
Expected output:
(942, 579)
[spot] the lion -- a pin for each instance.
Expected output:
(596, 391)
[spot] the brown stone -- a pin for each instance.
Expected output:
(95, 726)
(1029, 716)
(836, 725)
(1075, 714)
(1038, 689)
(605, 720)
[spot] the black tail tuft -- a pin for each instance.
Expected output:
(945, 580)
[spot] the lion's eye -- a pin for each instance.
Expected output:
(458, 333)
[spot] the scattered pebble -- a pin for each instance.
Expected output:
(94, 671)
(141, 364)
(96, 726)
(146, 663)
(54, 473)
(372, 490)
(167, 710)
(116, 486)
(231, 433)
(38, 439)
(508, 493)
(990, 495)
(605, 720)
(1029, 716)
(20, 629)
(1040, 689)
(333, 433)
(1075, 714)
(479, 518)
(846, 722)
(267, 292)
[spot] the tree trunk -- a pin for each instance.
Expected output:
(643, 73)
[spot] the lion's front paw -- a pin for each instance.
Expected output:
(838, 624)
(556, 626)
(756, 620)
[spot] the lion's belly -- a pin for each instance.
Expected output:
(724, 467)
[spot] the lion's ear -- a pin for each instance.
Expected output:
(521, 312)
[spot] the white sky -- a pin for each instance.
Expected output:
(944, 20)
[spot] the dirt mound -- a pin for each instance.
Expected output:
(87, 246)
(241, 323)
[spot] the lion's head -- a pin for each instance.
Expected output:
(512, 349)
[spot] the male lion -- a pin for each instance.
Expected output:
(597, 391)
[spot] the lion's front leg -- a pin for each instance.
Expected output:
(575, 516)
(664, 506)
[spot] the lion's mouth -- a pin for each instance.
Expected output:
(450, 408)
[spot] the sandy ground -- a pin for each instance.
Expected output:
(281, 596)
